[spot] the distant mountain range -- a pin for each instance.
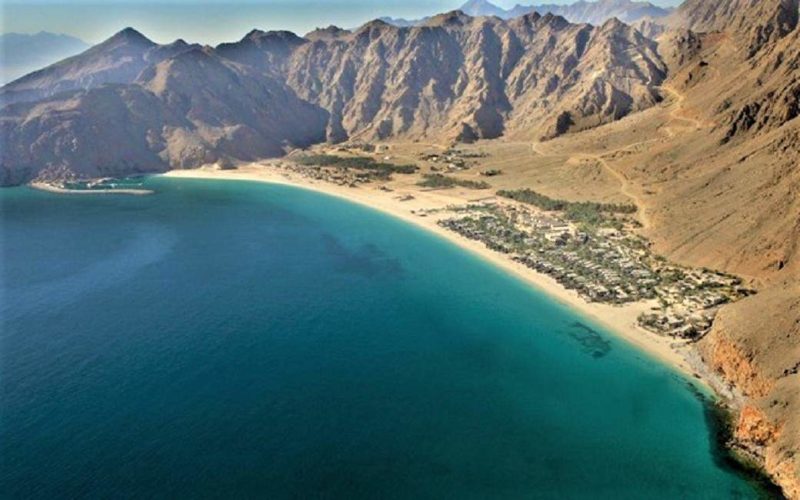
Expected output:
(595, 12)
(22, 53)
(129, 104)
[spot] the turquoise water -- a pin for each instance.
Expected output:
(223, 339)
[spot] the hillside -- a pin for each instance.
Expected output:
(526, 77)
(716, 172)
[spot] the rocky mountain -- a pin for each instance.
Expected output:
(477, 8)
(719, 179)
(759, 21)
(594, 12)
(119, 59)
(187, 110)
(454, 78)
(754, 345)
(22, 53)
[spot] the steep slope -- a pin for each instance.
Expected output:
(755, 344)
(454, 78)
(227, 110)
(102, 132)
(191, 109)
(268, 51)
(717, 177)
(759, 22)
(745, 106)
(119, 59)
(464, 78)
(594, 79)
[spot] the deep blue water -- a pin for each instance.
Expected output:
(224, 339)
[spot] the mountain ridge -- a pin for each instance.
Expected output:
(518, 77)
(593, 12)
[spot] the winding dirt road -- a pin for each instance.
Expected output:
(625, 185)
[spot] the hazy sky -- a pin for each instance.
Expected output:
(210, 21)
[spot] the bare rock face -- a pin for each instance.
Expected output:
(453, 78)
(650, 28)
(755, 345)
(119, 59)
(759, 22)
(775, 101)
(457, 76)
(754, 427)
(767, 95)
(191, 109)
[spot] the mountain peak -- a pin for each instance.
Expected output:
(452, 18)
(254, 33)
(326, 33)
(130, 36)
(374, 25)
(613, 24)
(259, 37)
(477, 8)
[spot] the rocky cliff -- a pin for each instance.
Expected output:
(732, 201)
(755, 346)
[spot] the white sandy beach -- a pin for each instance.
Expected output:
(620, 320)
(52, 188)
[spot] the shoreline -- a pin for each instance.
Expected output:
(52, 188)
(618, 320)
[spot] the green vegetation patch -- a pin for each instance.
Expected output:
(586, 212)
(443, 181)
(380, 169)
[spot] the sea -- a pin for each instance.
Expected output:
(231, 339)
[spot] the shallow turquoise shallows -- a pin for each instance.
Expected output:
(240, 340)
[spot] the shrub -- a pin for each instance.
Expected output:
(587, 212)
(357, 163)
(443, 181)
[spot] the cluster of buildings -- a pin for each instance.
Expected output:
(450, 161)
(602, 264)
(333, 174)
(362, 147)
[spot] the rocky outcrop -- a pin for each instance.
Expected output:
(754, 428)
(757, 22)
(755, 346)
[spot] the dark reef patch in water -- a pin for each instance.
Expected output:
(591, 342)
(367, 260)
